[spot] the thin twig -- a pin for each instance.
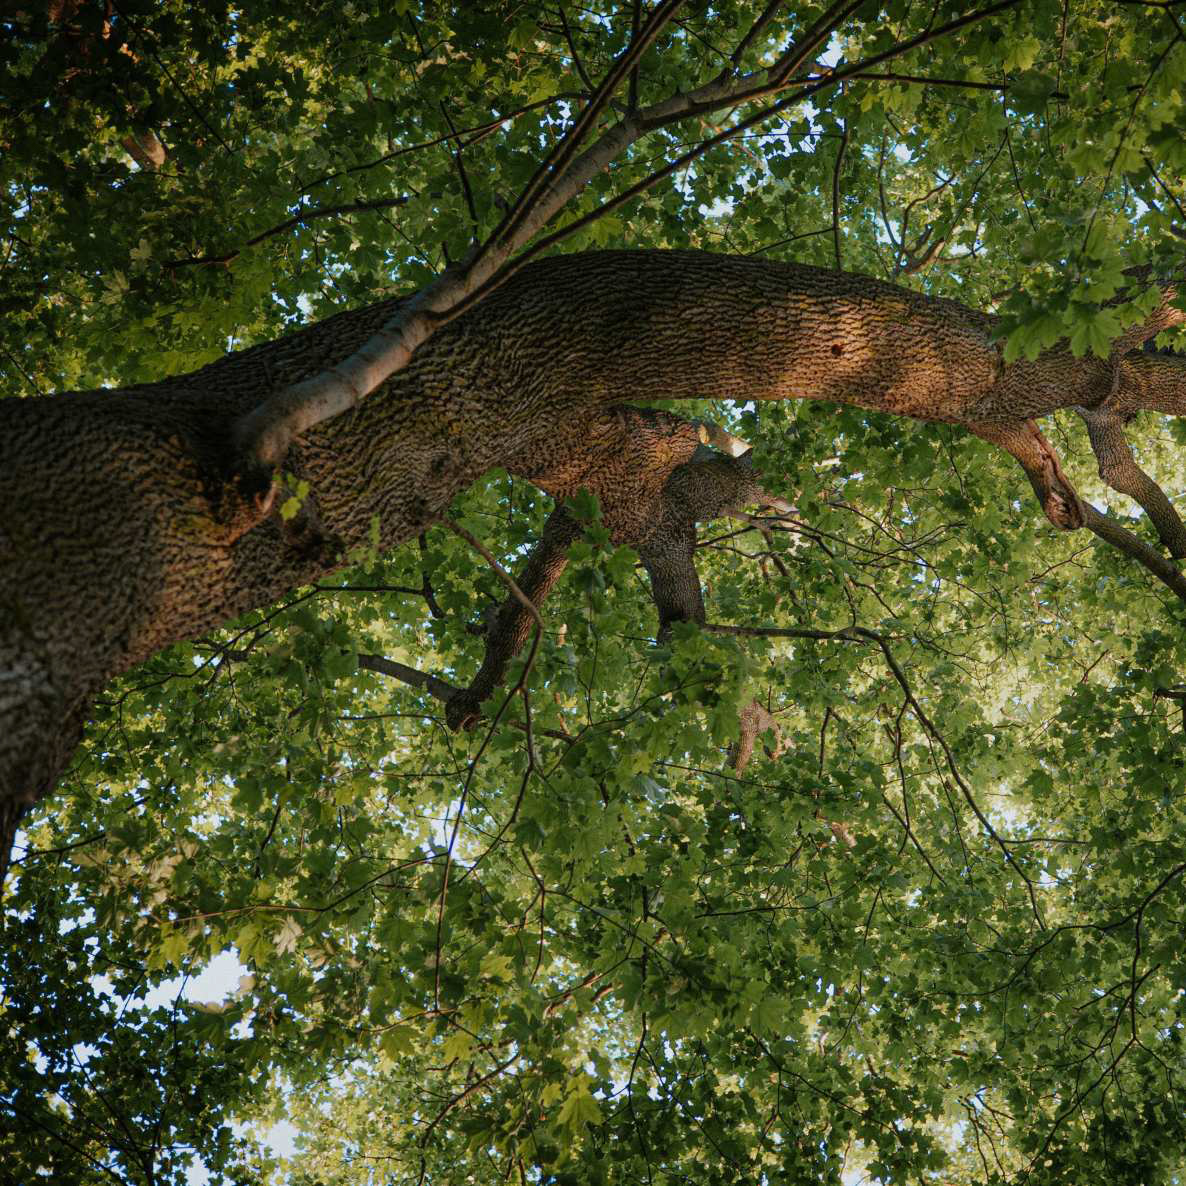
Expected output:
(477, 133)
(861, 634)
(755, 30)
(572, 49)
(836, 194)
(455, 153)
(503, 575)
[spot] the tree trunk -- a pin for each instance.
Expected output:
(125, 526)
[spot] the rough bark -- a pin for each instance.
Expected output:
(652, 495)
(124, 525)
(755, 720)
(511, 625)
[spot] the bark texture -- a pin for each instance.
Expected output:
(654, 484)
(126, 522)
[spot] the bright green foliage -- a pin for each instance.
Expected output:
(593, 952)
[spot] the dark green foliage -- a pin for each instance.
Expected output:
(594, 953)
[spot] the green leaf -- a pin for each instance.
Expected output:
(579, 1109)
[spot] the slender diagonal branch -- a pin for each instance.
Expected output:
(438, 688)
(465, 136)
(563, 152)
(1132, 545)
(305, 216)
(755, 30)
(503, 575)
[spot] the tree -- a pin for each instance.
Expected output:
(815, 872)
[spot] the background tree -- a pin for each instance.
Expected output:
(928, 931)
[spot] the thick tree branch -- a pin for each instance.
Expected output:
(264, 436)
(1132, 545)
(1024, 440)
(652, 499)
(1118, 468)
(531, 380)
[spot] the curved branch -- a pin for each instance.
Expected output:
(652, 500)
(1118, 468)
(512, 624)
(1132, 545)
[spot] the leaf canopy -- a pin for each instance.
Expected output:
(937, 938)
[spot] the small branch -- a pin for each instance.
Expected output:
(31, 854)
(270, 833)
(503, 575)
(632, 93)
(1169, 193)
(520, 687)
(924, 80)
(426, 589)
(438, 688)
(556, 163)
(16, 362)
(813, 38)
(790, 239)
(572, 49)
(870, 76)
(1132, 545)
(755, 30)
(287, 225)
(965, 790)
(662, 119)
(477, 133)
(462, 1095)
(465, 186)
(1178, 693)
(836, 195)
(435, 687)
(180, 90)
(848, 634)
